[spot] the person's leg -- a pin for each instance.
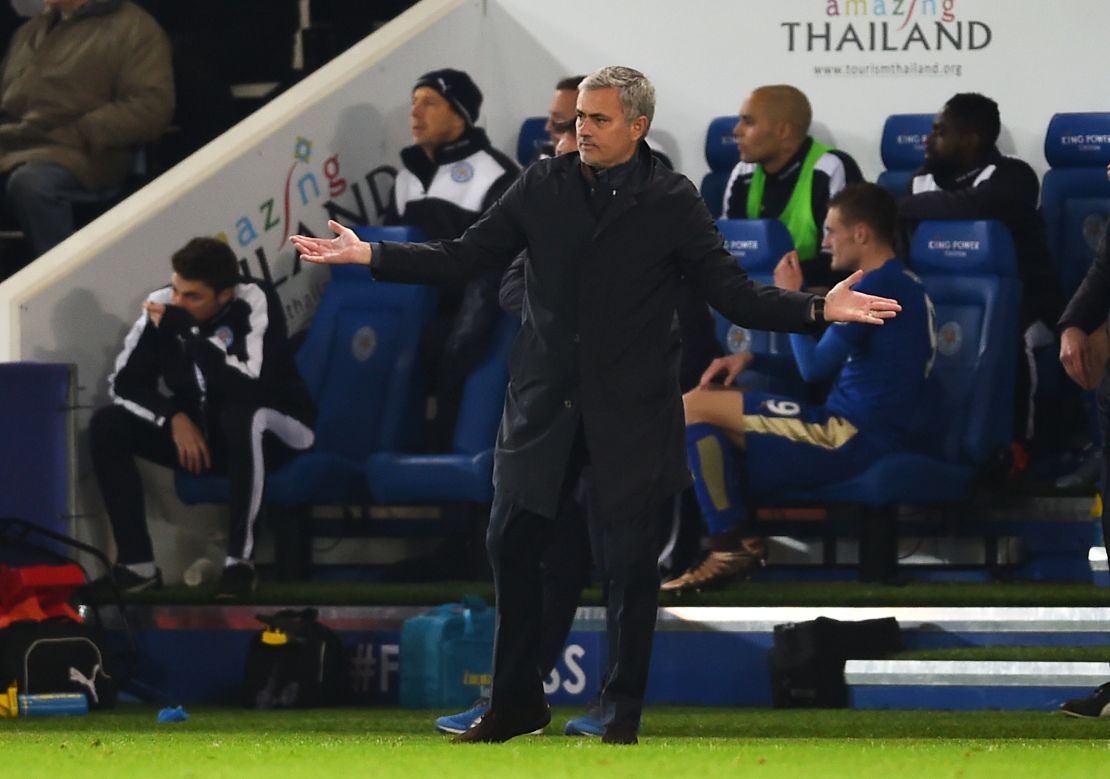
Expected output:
(244, 433)
(714, 439)
(1102, 402)
(632, 580)
(40, 195)
(117, 437)
(515, 541)
(566, 571)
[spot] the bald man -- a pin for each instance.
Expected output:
(785, 174)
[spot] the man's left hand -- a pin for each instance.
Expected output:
(788, 272)
(844, 304)
(154, 312)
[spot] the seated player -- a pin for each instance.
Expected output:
(233, 404)
(745, 443)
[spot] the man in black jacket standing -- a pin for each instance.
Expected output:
(610, 233)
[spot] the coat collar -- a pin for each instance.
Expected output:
(627, 195)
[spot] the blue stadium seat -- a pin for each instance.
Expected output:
(359, 363)
(903, 149)
(466, 474)
(722, 155)
(532, 137)
(758, 245)
(1075, 195)
(970, 273)
(36, 446)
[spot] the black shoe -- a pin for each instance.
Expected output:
(498, 725)
(237, 582)
(619, 734)
(1094, 706)
(128, 581)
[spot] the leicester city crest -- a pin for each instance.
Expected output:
(739, 339)
(950, 338)
(364, 343)
(224, 335)
(462, 172)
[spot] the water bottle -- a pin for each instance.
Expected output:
(202, 571)
(12, 704)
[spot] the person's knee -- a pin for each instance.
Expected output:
(30, 182)
(106, 427)
(699, 405)
(236, 422)
(493, 543)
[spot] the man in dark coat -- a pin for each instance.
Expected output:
(1082, 330)
(609, 235)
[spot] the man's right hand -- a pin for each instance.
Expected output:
(192, 449)
(732, 366)
(344, 249)
(1073, 355)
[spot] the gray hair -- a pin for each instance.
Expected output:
(636, 93)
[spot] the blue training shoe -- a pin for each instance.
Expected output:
(464, 720)
(586, 725)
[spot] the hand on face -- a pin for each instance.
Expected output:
(154, 312)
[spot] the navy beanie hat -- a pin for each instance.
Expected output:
(457, 88)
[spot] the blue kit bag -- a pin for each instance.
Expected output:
(447, 655)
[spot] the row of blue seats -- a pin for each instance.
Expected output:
(969, 270)
(360, 362)
(1075, 194)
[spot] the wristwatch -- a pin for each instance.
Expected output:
(818, 310)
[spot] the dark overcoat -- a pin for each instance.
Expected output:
(599, 305)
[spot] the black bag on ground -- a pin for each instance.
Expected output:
(807, 659)
(56, 656)
(294, 663)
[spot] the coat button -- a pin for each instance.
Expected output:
(577, 338)
(568, 404)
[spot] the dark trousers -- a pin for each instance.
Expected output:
(530, 616)
(1102, 401)
(566, 565)
(245, 442)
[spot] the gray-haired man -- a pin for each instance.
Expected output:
(610, 234)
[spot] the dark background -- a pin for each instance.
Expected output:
(222, 43)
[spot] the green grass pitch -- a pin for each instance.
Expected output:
(697, 742)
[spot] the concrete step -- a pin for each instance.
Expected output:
(702, 655)
(969, 684)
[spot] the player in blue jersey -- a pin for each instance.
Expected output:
(743, 443)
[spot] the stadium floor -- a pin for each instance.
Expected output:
(702, 742)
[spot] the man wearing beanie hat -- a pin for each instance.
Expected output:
(450, 175)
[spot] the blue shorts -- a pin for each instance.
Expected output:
(791, 444)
